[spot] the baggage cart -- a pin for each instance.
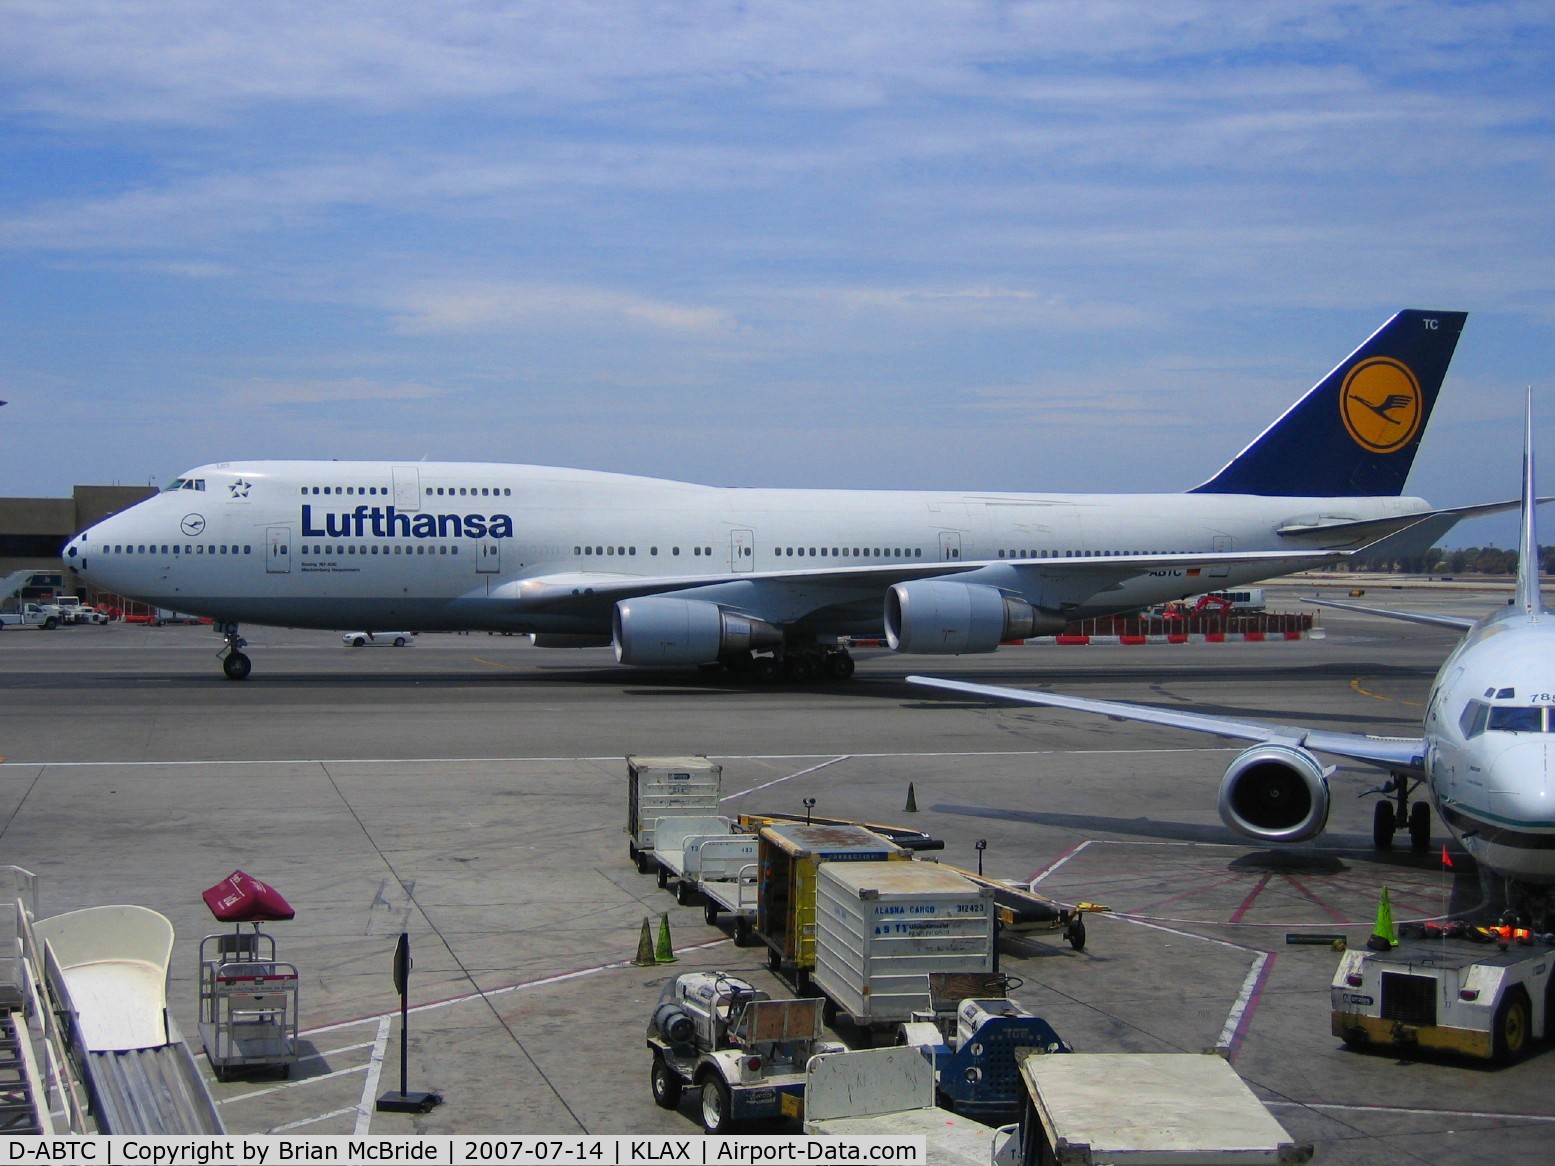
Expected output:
(666, 787)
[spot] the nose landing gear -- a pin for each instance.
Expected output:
(235, 664)
(1399, 814)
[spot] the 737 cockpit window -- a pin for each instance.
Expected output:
(1479, 717)
(1517, 719)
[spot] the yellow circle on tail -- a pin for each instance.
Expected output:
(1381, 404)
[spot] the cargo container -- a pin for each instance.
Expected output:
(881, 928)
(666, 787)
(1094, 1108)
(789, 854)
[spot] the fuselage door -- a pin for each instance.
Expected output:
(1223, 546)
(488, 556)
(407, 488)
(278, 550)
(742, 550)
(949, 546)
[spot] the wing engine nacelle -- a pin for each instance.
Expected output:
(660, 629)
(1275, 793)
(937, 617)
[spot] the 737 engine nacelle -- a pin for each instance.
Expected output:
(659, 630)
(936, 617)
(1275, 793)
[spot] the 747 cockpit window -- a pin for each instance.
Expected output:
(184, 484)
(1478, 717)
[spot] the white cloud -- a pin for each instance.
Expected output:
(491, 307)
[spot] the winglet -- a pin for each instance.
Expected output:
(1356, 431)
(1529, 597)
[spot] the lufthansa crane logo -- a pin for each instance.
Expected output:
(192, 524)
(1381, 404)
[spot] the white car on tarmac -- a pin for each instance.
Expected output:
(378, 639)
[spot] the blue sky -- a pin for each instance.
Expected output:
(1052, 246)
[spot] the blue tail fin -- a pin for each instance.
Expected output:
(1356, 430)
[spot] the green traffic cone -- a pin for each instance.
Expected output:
(1383, 935)
(665, 952)
(912, 800)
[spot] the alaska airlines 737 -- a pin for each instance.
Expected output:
(1484, 755)
(672, 573)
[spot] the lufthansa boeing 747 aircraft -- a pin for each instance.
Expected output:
(675, 574)
(1486, 755)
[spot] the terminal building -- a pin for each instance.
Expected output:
(34, 531)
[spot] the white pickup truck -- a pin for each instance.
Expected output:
(28, 615)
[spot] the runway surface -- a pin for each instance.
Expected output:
(471, 790)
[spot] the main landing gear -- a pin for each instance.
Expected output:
(805, 663)
(235, 664)
(796, 664)
(1394, 812)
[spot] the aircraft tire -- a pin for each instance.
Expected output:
(237, 666)
(799, 668)
(1075, 933)
(1420, 828)
(1383, 826)
(839, 666)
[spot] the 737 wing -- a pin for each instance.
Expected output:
(1392, 753)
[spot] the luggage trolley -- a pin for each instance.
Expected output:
(248, 998)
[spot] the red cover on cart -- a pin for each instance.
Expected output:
(241, 898)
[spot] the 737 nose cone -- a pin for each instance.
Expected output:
(1519, 782)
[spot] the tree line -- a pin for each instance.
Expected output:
(1462, 561)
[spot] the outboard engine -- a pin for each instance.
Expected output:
(1275, 793)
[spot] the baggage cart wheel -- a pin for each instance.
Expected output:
(665, 1083)
(742, 935)
(710, 913)
(685, 892)
(644, 862)
(774, 961)
(664, 876)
